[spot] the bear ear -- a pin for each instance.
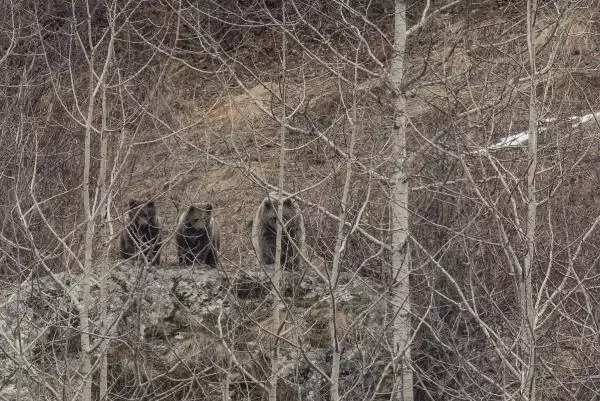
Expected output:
(191, 209)
(268, 204)
(133, 203)
(289, 202)
(208, 207)
(150, 205)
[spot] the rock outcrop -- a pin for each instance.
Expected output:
(192, 329)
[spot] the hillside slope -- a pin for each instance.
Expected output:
(184, 103)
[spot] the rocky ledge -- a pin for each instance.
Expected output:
(199, 330)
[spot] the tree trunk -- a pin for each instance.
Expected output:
(403, 381)
(86, 366)
(340, 246)
(525, 288)
(277, 302)
(106, 233)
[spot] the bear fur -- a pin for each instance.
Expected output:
(264, 232)
(198, 237)
(141, 239)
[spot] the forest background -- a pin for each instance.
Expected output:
(442, 153)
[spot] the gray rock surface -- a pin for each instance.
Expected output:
(169, 323)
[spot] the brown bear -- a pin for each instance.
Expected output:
(264, 232)
(141, 239)
(198, 237)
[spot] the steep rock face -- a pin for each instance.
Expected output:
(167, 324)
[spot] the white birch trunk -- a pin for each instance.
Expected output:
(525, 288)
(106, 232)
(340, 245)
(403, 381)
(277, 302)
(86, 366)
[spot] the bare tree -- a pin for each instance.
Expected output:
(442, 153)
(399, 210)
(525, 273)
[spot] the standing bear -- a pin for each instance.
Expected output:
(141, 239)
(264, 232)
(198, 237)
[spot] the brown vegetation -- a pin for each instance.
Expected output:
(182, 103)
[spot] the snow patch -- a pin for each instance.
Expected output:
(584, 119)
(519, 139)
(512, 140)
